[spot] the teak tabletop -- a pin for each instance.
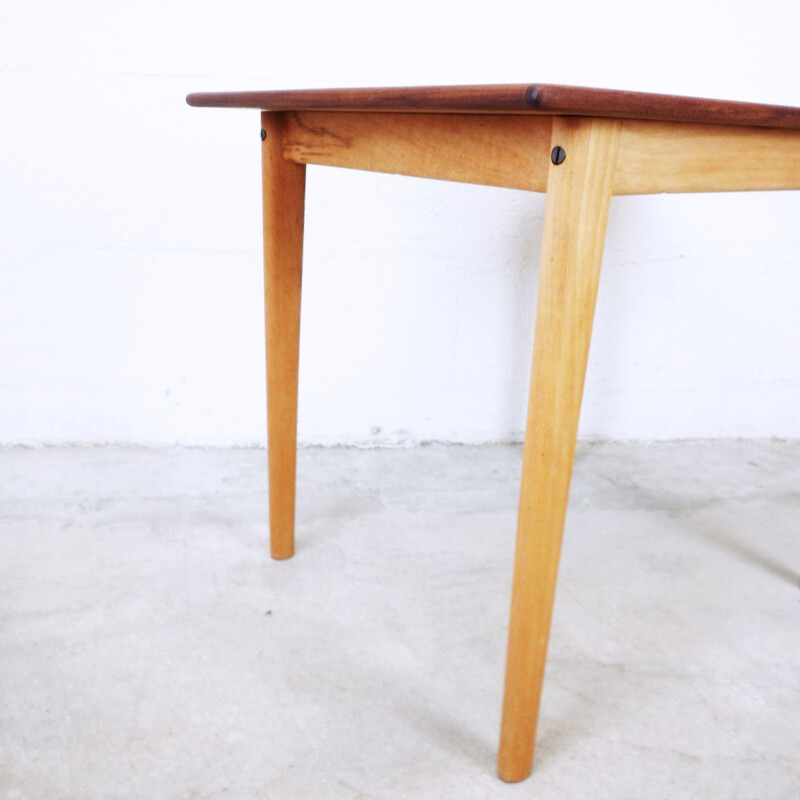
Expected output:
(580, 146)
(533, 98)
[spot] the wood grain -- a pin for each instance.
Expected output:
(578, 197)
(481, 99)
(685, 157)
(584, 101)
(283, 185)
(493, 150)
(536, 98)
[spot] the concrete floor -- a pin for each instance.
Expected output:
(149, 648)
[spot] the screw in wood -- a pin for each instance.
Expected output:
(558, 155)
(263, 134)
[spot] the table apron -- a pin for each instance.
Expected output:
(513, 151)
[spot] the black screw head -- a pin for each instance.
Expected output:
(263, 134)
(558, 155)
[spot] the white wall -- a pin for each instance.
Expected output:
(130, 285)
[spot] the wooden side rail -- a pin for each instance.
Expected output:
(512, 150)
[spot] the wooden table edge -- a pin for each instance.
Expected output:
(536, 98)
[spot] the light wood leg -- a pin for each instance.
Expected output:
(283, 195)
(578, 195)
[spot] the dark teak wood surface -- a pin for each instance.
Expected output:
(537, 98)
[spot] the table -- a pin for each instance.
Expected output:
(581, 146)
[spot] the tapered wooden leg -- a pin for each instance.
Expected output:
(578, 195)
(283, 194)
